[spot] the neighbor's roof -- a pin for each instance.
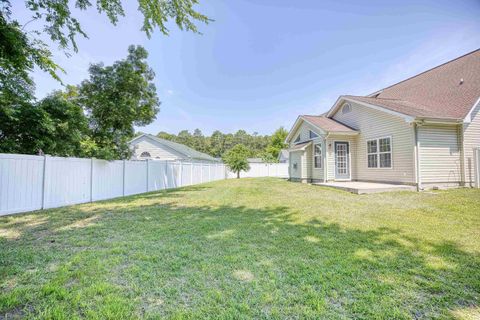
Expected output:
(283, 154)
(448, 91)
(327, 124)
(180, 148)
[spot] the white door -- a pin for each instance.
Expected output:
(342, 160)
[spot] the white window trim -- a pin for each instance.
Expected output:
(378, 153)
(321, 156)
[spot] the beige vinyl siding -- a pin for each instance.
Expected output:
(156, 150)
(304, 131)
(439, 154)
(471, 140)
(352, 140)
(375, 124)
(305, 161)
(296, 157)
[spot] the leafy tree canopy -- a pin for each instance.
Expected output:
(236, 159)
(277, 143)
(21, 49)
(116, 98)
(94, 119)
(218, 143)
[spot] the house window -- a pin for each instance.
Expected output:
(379, 153)
(317, 156)
(313, 135)
(298, 139)
(145, 154)
(346, 108)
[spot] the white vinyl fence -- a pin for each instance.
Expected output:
(30, 183)
(263, 170)
(39, 182)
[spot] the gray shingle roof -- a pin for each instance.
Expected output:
(183, 149)
(447, 91)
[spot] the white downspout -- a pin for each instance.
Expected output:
(325, 156)
(417, 157)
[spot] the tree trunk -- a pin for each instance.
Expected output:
(238, 174)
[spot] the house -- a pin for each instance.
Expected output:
(421, 131)
(147, 146)
(283, 156)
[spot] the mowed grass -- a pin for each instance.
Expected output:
(250, 248)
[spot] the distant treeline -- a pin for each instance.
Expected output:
(216, 145)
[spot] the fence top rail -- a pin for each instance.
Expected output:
(20, 156)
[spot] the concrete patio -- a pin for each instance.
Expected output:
(359, 187)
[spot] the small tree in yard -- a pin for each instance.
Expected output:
(236, 159)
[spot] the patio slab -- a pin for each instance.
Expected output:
(359, 187)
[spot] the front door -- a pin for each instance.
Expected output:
(342, 160)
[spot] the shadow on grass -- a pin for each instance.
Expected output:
(166, 260)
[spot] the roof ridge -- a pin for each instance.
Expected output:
(423, 72)
(184, 146)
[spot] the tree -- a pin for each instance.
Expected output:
(277, 143)
(68, 126)
(22, 49)
(236, 159)
(116, 98)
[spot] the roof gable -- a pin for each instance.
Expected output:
(322, 123)
(180, 148)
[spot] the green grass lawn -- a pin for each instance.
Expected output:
(250, 248)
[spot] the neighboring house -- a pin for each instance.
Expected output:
(147, 146)
(421, 131)
(283, 156)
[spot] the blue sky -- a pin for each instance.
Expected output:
(263, 62)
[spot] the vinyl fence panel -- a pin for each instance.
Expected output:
(21, 183)
(279, 170)
(135, 177)
(107, 179)
(67, 181)
(157, 175)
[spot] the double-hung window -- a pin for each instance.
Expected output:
(317, 156)
(379, 153)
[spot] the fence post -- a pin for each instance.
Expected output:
(44, 182)
(147, 164)
(91, 179)
(123, 187)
